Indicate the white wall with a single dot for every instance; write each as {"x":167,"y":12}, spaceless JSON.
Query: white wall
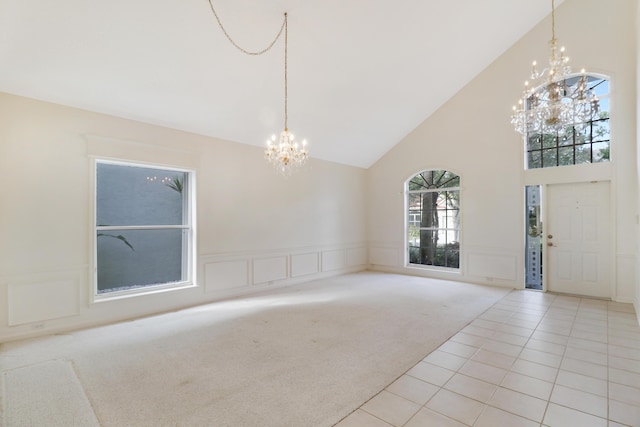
{"x":637,"y":233}
{"x":471,"y":135}
{"x":254,"y":228}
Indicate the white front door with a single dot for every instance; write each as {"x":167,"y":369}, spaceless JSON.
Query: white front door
{"x":578,"y":236}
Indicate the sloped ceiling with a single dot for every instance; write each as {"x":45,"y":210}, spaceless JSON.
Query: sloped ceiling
{"x":362,"y":73}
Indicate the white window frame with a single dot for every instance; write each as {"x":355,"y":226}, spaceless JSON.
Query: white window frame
{"x":189,"y":248}
{"x":407,"y":224}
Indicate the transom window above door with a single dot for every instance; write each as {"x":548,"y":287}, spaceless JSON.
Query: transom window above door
{"x":581,"y":143}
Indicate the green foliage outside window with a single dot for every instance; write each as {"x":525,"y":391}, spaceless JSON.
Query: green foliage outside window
{"x":434,"y":210}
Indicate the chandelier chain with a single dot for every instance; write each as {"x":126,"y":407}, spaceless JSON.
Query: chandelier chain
{"x":285,"y":154}
{"x":556,"y":100}
{"x":553,"y":20}
{"x":286,"y":82}
{"x":240,"y":48}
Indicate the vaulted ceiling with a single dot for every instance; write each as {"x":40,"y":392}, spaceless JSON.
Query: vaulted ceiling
{"x":362,"y":73}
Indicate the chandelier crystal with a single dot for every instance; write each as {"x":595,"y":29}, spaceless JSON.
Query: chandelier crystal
{"x":555,"y":99}
{"x":284,"y":154}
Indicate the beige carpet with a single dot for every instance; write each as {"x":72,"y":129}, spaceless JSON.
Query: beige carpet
{"x":306,"y":355}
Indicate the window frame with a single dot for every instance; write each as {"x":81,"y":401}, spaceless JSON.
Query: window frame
{"x":407,"y":212}
{"x":543,"y":147}
{"x":188,"y":263}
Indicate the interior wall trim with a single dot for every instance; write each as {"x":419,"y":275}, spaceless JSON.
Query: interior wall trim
{"x":226,"y":272}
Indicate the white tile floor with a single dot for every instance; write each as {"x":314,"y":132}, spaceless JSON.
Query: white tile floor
{"x":533,"y":359}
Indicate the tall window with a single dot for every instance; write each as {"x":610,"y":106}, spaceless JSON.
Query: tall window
{"x":143,"y":228}
{"x":433,"y":219}
{"x":587,"y":142}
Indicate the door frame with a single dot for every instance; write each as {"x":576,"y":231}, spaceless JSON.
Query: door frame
{"x":544,"y":214}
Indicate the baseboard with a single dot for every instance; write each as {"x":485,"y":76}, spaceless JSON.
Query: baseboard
{"x":27,"y":299}
{"x":446,"y":275}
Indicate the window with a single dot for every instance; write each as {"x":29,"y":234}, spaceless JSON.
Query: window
{"x":143,"y":228}
{"x":578,"y":144}
{"x":433,"y":219}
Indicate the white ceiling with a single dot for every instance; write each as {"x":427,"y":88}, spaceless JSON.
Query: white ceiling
{"x":362,"y":73}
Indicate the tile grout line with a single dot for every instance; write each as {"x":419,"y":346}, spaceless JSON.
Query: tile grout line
{"x":487,"y":404}
{"x":496,"y":318}
{"x":423,"y":406}
{"x":608,"y":371}
{"x":548,"y":403}
{"x":3,"y":400}
{"x":442,"y":387}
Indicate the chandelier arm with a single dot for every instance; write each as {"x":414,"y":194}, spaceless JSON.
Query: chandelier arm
{"x":553,"y":106}
{"x":240,"y":48}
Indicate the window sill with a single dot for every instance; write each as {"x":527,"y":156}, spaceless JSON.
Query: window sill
{"x":150,"y":290}
{"x":447,"y":270}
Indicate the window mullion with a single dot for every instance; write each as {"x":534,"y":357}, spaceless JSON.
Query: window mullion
{"x":140,"y":227}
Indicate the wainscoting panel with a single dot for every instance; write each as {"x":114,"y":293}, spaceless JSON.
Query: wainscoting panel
{"x":42,"y":300}
{"x":269,"y":269}
{"x":228,"y":272}
{"x":226,"y":275}
{"x":333,"y":260}
{"x":384,"y":255}
{"x":625,"y":278}
{"x":304,"y":264}
{"x":356,"y":256}
{"x":492,"y":266}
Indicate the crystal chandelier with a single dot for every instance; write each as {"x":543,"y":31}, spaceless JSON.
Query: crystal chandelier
{"x":285,"y":154}
{"x":555,"y":100}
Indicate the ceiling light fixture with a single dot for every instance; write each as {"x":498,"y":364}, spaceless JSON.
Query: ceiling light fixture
{"x":283,"y":153}
{"x":555,"y":100}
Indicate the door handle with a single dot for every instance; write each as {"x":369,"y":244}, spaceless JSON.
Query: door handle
{"x":549,"y":243}
{"x":550,"y":236}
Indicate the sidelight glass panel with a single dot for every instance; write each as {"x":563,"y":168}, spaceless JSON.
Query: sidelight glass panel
{"x":533,"y":238}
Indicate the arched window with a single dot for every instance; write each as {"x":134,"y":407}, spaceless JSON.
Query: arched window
{"x":586,"y":142}
{"x":433,"y":219}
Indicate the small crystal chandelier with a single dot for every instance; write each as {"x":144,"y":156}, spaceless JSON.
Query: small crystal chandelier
{"x":555,"y":100}
{"x":285,"y":154}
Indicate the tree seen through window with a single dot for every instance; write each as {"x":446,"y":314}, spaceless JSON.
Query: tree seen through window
{"x":433,"y":219}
